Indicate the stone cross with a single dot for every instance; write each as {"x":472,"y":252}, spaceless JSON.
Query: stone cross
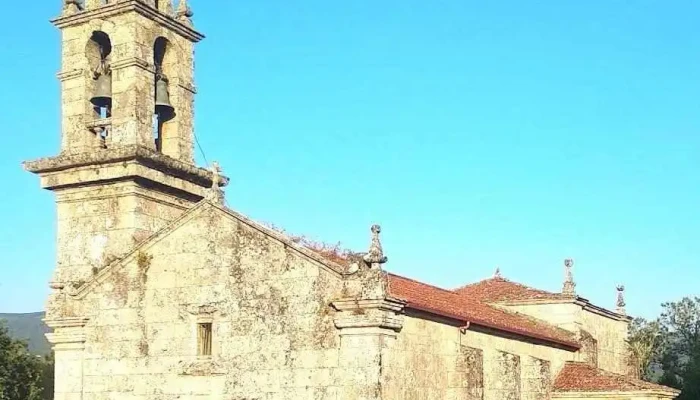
{"x":497,"y":274}
{"x":569,"y":284}
{"x":621,"y":300}
{"x":216,"y":193}
{"x":375,"y":257}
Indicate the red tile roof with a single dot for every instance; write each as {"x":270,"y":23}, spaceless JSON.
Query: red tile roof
{"x":499,"y":289}
{"x":581,"y":377}
{"x":450,"y":304}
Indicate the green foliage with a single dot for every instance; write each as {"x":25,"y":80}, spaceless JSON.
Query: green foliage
{"x":23,"y":376}
{"x":680,"y":355}
{"x":29,"y":327}
{"x":645,"y":340}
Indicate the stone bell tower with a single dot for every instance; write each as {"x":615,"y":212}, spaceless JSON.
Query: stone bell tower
{"x":126,"y":165}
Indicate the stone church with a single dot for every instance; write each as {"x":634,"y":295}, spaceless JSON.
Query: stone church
{"x":162,"y":292}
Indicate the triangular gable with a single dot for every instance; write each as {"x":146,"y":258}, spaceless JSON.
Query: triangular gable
{"x":501,"y":290}
{"x":85,"y":288}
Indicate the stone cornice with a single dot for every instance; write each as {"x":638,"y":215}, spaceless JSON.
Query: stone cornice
{"x":73,"y":322}
{"x":69,"y":74}
{"x":386,"y":304}
{"x":140,"y":154}
{"x":584,"y":303}
{"x":368,"y":313}
{"x":67,"y":338}
{"x":68,"y":335}
{"x":131,"y":62}
{"x":383,"y":321}
{"x":126,"y":6}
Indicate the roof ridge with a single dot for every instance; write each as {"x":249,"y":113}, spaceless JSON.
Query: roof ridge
{"x":421,"y":302}
{"x":284,"y":238}
{"x":423,"y":283}
{"x":84,"y":287}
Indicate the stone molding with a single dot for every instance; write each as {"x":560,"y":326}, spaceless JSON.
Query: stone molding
{"x":69,"y":74}
{"x":144,"y":156}
{"x":584,"y":303}
{"x":386,"y":304}
{"x":126,"y":6}
{"x":131,"y":62}
{"x":361,"y":316}
{"x":68,"y":334}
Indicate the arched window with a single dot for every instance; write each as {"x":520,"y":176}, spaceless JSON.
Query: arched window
{"x":98,"y":50}
{"x":163,"y":110}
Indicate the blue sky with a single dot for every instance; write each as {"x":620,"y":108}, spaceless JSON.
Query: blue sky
{"x":479,"y":134}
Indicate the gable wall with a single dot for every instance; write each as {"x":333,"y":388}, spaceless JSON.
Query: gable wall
{"x":433,"y":360}
{"x":274,"y":336}
{"x":563,"y":315}
{"x":609,"y":334}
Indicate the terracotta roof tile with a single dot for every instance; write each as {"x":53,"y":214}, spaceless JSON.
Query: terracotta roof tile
{"x":447,"y":303}
{"x":500,"y":289}
{"x":581,"y":377}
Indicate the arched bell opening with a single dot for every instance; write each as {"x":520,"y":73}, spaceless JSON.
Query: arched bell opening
{"x":98,"y":50}
{"x":164,"y":111}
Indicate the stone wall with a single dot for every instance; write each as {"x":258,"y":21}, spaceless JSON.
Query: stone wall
{"x":563,"y":315}
{"x":97,"y":225}
{"x":273,"y":330}
{"x":603,"y":337}
{"x":611,"y":338}
{"x":432,"y":360}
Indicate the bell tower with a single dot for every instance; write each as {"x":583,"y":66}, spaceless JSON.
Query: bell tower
{"x":126,"y":164}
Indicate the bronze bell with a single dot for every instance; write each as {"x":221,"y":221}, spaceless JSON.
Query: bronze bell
{"x":164,"y":109}
{"x":103,"y":91}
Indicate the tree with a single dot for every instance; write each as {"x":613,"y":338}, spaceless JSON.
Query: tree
{"x":645,"y":340}
{"x":21,"y":373}
{"x":680,"y":356}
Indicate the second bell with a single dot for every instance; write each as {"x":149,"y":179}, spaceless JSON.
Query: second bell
{"x":164,"y":109}
{"x":103,"y":91}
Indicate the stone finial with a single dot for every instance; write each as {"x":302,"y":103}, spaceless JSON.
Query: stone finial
{"x":216,"y":193}
{"x":93,"y":4}
{"x":621,"y":300}
{"x":166,"y":7}
{"x":184,"y":13}
{"x":497,"y":273}
{"x":71,"y":7}
{"x":375,"y":257}
{"x":569,"y":284}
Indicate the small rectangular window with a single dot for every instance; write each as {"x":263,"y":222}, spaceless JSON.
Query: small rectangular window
{"x":204,"y":335}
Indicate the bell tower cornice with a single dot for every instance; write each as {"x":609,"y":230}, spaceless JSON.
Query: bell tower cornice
{"x":128,"y":163}
{"x":127,"y":6}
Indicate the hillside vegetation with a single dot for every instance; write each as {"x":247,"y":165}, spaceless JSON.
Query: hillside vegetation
{"x":29,"y":327}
